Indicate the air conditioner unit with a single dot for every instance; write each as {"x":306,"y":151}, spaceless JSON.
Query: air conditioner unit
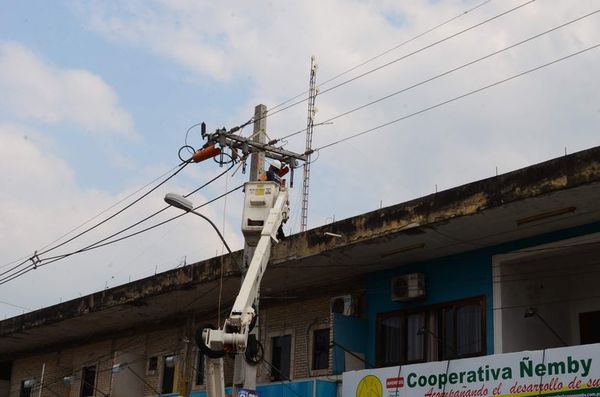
{"x":343,"y":305}
{"x":408,"y":287}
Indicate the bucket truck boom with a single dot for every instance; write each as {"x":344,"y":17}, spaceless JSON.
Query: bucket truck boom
{"x":265,"y":209}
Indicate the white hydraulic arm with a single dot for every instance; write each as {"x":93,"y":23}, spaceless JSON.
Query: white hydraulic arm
{"x":265,"y":209}
{"x":242,"y":311}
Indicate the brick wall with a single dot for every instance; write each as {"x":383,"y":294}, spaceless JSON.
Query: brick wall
{"x":297,"y":318}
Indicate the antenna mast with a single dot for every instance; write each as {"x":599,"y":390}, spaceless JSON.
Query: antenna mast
{"x":312,"y":94}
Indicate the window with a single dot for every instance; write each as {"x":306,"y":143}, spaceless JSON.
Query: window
{"x":5,"y":370}
{"x":445,"y":331}
{"x":462,"y":330}
{"x":401,"y":339}
{"x":26,"y":386}
{"x":281,"y":354}
{"x":320,"y":354}
{"x":199,"y":368}
{"x":168,"y":374}
{"x":152,"y":364}
{"x":589,"y":327}
{"x":88,"y":381}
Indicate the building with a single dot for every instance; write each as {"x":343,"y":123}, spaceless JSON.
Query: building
{"x":504,"y":264}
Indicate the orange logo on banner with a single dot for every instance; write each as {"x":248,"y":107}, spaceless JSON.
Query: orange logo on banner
{"x":369,"y":386}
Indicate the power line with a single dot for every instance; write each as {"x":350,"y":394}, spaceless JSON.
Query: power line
{"x":407,"y":55}
{"x":458,"y":97}
{"x":384,"y":53}
{"x":104,"y":242}
{"x":96,"y":245}
{"x":181,"y":167}
{"x":430,"y":79}
{"x":184,"y":162}
{"x":35,"y":258}
{"x":95,"y":216}
{"x":13,"y":305}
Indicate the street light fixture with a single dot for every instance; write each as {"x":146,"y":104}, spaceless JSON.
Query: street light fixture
{"x":183,"y":203}
{"x":178,"y":201}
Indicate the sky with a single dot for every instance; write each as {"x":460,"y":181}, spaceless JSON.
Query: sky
{"x":97,"y":96}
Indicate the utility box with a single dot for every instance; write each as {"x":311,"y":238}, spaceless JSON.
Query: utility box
{"x":259,"y":199}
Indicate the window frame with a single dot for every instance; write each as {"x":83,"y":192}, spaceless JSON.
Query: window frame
{"x":480,"y":300}
{"x":84,"y":384}
{"x":585,"y":321}
{"x":434,"y":321}
{"x":319,"y":371}
{"x":269,"y":350}
{"x":25,"y":391}
{"x":162,"y":368}
{"x":150,"y":371}
{"x":403,"y":314}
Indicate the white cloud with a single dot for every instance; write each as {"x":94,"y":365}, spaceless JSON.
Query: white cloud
{"x":34,"y":89}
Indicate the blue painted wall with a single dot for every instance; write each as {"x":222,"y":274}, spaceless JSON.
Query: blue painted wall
{"x":452,"y":278}
{"x":447,"y":279}
{"x":351,"y":334}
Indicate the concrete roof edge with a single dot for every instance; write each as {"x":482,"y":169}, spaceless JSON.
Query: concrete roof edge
{"x":131,"y":293}
{"x":557,"y":174}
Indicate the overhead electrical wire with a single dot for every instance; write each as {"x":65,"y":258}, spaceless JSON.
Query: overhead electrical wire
{"x":184,"y":162}
{"x":430,"y":79}
{"x":47,"y":261}
{"x":103,"y":242}
{"x":440,"y":104}
{"x":368,"y":72}
{"x":180,"y":168}
{"x":337,"y":76}
{"x":35,"y":257}
{"x":94,"y":217}
{"x":13,"y":305}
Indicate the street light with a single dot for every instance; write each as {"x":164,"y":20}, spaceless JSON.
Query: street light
{"x":183,"y":203}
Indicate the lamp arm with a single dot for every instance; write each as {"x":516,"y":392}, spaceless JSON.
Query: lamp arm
{"x":218,"y":232}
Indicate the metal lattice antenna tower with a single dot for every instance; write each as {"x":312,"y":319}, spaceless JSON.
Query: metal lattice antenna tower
{"x":313,"y":91}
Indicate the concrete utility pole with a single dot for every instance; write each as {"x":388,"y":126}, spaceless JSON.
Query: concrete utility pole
{"x":244,"y":375}
{"x":257,"y":161}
